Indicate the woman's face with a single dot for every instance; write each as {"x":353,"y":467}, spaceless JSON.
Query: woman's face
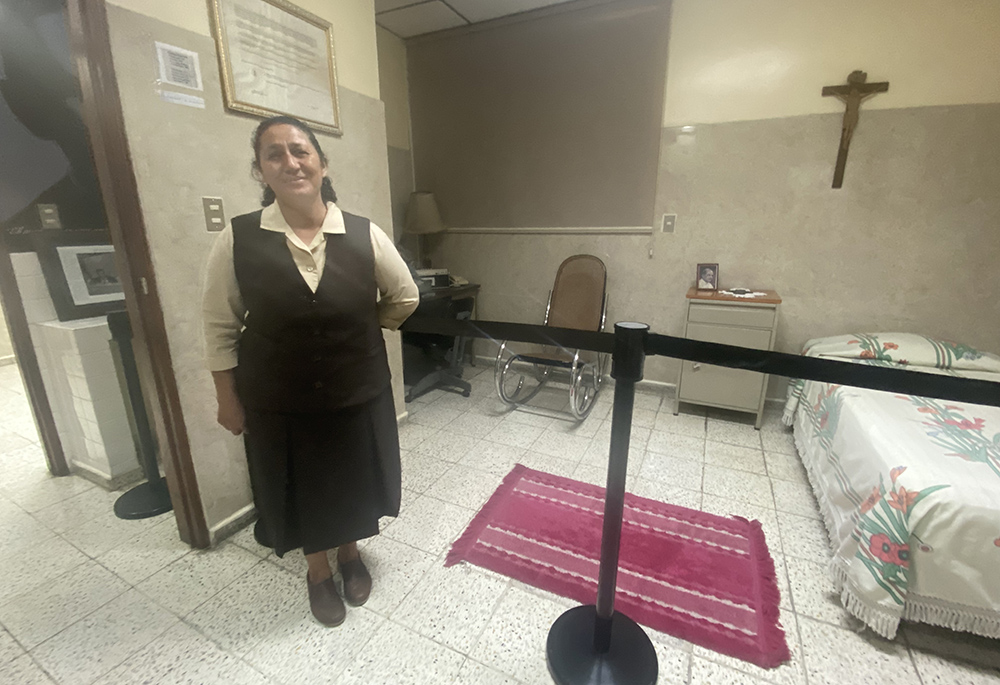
{"x":289,"y":163}
{"x":707,"y":275}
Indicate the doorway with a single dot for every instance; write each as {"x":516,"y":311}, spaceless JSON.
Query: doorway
{"x":69,"y":170}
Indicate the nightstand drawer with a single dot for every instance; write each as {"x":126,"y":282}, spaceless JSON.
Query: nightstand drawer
{"x":728,"y":335}
{"x":718,"y":385}
{"x":728,"y":320}
{"x":732,"y":315}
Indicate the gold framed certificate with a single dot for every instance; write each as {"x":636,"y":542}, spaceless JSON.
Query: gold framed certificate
{"x":277,"y":58}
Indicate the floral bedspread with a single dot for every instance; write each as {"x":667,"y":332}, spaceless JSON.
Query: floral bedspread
{"x":910,"y":493}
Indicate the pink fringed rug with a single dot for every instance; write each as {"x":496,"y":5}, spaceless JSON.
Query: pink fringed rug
{"x":703,"y":578}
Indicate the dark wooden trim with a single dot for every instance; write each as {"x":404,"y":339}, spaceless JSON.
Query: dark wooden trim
{"x":24,"y":352}
{"x":102,"y":112}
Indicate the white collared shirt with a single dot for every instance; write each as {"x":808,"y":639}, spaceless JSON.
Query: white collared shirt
{"x":223,"y":310}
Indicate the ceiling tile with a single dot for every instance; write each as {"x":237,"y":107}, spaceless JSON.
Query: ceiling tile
{"x":481,"y":10}
{"x":419,"y":19}
{"x":387,"y":5}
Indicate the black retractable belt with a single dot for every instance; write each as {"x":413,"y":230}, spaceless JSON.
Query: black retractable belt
{"x":594,"y":644}
{"x":775,"y":363}
{"x":828,"y":370}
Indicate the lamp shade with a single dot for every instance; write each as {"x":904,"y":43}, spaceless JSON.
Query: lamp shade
{"x":422,"y":214}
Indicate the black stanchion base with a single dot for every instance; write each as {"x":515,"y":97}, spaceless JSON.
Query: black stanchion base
{"x":574,"y":661}
{"x":144,"y":501}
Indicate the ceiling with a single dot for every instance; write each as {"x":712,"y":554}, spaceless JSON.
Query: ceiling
{"x":408,"y":18}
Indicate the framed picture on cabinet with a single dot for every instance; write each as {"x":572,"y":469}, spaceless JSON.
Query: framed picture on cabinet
{"x":80,"y":272}
{"x":707,"y":277}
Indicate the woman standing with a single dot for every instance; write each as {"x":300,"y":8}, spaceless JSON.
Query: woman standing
{"x":295,"y":299}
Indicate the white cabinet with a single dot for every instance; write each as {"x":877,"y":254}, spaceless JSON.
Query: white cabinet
{"x":718,"y":318}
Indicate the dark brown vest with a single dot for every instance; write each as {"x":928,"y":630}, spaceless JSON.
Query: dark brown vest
{"x":305,"y":352}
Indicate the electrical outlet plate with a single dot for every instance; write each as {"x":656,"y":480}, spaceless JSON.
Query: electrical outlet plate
{"x":669,"y":220}
{"x":49,"y":215}
{"x":215,"y":218}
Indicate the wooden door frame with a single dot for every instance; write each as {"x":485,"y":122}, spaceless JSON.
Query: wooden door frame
{"x":102,"y":113}
{"x":27,"y":361}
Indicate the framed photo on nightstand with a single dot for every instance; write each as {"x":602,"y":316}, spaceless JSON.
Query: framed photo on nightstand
{"x":707,"y":277}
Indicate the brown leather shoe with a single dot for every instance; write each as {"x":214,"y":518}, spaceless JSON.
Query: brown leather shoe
{"x":357,"y":582}
{"x":325,"y":602}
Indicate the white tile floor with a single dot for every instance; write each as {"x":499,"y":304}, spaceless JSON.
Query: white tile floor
{"x":86,"y":598}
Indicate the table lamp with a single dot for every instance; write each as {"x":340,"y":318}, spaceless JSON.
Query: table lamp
{"x":422,"y":216}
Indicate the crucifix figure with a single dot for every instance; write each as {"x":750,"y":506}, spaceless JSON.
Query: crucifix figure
{"x":852,"y":95}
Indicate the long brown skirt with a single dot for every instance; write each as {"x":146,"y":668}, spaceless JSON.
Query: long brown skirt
{"x":324,"y":479}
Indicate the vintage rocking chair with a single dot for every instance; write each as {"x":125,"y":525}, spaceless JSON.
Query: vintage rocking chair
{"x":578,"y":299}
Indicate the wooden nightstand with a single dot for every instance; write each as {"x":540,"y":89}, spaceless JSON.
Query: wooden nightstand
{"x":714,"y":317}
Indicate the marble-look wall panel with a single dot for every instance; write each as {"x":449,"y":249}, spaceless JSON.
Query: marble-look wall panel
{"x":181,"y":154}
{"x":400,"y":186}
{"x":911,"y":242}
{"x":6,"y":346}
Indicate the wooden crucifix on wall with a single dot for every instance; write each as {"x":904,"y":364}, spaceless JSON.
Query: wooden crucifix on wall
{"x":852,"y":95}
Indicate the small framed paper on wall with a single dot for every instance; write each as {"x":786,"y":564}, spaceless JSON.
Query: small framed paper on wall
{"x":277,"y":58}
{"x":707,"y":277}
{"x":178,"y":67}
{"x":80,"y":272}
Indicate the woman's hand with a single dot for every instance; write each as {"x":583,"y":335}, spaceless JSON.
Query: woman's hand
{"x":231,"y":415}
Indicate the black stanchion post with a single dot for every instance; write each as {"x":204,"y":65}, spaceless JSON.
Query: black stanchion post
{"x":626,"y":368}
{"x":594,"y":644}
{"x":150,"y":498}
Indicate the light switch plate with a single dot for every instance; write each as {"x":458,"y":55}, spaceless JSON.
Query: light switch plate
{"x":669,"y":220}
{"x":215,"y":218}
{"x":49,"y":215}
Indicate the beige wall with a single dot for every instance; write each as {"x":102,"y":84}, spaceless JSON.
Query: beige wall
{"x":394,"y":88}
{"x":183,"y":153}
{"x":909,"y":243}
{"x":353,"y":32}
{"x":733,"y":60}
{"x":547,"y":122}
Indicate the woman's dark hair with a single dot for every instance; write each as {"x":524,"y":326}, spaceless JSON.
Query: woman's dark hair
{"x":326,"y":191}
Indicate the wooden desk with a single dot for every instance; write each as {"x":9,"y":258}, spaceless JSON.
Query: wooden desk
{"x":454,"y":292}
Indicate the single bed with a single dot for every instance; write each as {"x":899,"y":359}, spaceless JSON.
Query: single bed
{"x":909,"y":487}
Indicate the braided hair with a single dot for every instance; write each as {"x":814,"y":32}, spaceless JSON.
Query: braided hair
{"x":326,"y":190}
